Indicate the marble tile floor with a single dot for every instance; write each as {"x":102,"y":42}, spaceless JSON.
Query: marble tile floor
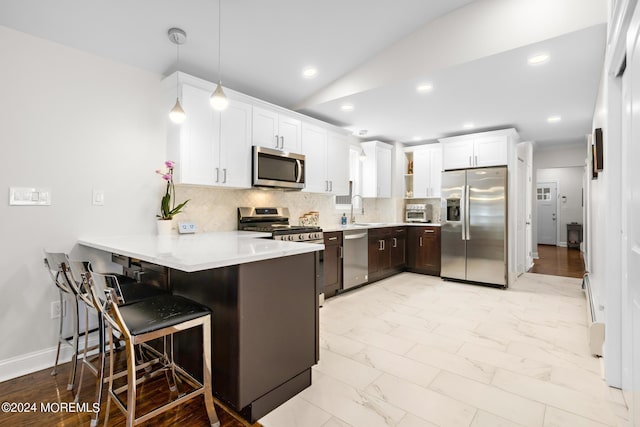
{"x":416,"y":351}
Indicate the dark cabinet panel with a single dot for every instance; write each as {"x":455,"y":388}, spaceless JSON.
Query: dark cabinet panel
{"x":332,"y":263}
{"x":386,"y":252}
{"x":424,"y":250}
{"x":398,"y":248}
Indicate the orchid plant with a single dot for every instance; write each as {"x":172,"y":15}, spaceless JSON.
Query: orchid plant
{"x":168,"y":208}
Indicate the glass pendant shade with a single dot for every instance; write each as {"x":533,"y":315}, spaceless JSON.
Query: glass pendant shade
{"x":219,"y":100}
{"x":177,"y":113}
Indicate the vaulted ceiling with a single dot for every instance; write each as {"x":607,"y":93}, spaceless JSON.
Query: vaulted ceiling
{"x":371,"y":54}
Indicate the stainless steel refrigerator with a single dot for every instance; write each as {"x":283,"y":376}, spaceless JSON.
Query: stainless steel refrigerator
{"x":474,"y":226}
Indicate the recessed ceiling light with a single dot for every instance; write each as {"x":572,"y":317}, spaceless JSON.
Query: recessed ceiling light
{"x":363,"y":132}
{"x":347,"y":107}
{"x":424,"y":87}
{"x":468,"y":125}
{"x":417,"y":138}
{"x":309,"y":72}
{"x":554,"y":119}
{"x":538,"y":59}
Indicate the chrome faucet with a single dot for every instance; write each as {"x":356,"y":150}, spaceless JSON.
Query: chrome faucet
{"x":352,"y":216}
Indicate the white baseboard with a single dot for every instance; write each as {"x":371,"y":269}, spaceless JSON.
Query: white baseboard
{"x":562,"y":244}
{"x":38,"y":360}
{"x":535,"y":256}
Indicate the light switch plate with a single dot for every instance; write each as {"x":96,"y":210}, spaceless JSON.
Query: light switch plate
{"x":186,"y":227}
{"x":98,"y":198}
{"x":29,"y":196}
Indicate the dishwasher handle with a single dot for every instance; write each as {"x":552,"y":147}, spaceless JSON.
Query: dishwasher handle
{"x":354,"y":236}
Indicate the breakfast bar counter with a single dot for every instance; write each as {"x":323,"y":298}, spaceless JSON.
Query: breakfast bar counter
{"x":263,"y":295}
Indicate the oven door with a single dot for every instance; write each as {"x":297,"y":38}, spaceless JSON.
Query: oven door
{"x":278,"y":169}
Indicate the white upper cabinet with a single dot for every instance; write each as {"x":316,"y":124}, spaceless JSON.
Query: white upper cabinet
{"x":272,"y":129}
{"x":235,"y":145}
{"x":477,"y":150}
{"x":211,"y":148}
{"x":314,"y":148}
{"x":326,"y":160}
{"x":376,"y":169}
{"x":338,"y":163}
{"x":427,"y":170}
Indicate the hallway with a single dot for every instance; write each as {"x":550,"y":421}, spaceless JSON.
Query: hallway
{"x":558,"y":261}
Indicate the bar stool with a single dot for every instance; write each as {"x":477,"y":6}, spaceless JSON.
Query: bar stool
{"x":77,"y":275}
{"x":55,"y":265}
{"x":146,"y":320}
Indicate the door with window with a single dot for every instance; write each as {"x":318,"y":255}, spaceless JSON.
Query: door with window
{"x":546,"y":199}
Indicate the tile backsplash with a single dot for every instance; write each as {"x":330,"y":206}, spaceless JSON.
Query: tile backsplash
{"x":215,"y":209}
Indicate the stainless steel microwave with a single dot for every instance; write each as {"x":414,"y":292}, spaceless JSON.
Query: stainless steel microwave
{"x":278,"y":169}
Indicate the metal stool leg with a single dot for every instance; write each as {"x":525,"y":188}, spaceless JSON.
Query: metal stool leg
{"x":206,"y":374}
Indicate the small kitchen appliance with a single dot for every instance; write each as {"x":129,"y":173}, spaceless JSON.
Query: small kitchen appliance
{"x":417,"y":212}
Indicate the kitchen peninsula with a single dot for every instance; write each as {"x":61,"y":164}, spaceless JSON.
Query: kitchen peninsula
{"x":263,"y":294}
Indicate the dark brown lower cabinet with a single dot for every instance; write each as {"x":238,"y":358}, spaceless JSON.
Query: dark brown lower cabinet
{"x":387,"y":252}
{"x":332,"y":263}
{"x":423,"y":247}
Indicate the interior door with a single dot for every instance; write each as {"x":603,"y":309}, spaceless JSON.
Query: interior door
{"x":522,"y":217}
{"x":546,"y":200}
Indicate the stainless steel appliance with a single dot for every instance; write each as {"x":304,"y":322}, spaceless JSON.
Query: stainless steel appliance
{"x":355,"y":262}
{"x":474,"y":227}
{"x":417,"y":212}
{"x":278,"y":169}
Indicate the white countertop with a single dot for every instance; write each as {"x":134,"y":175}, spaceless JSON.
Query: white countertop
{"x":200,"y":251}
{"x":365,"y":226}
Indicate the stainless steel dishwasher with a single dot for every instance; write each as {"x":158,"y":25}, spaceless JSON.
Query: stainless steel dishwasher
{"x":355,"y":263}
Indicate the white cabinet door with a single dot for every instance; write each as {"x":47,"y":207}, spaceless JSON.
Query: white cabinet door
{"x":235,"y":145}
{"x":490,"y":151}
{"x":197,"y":139}
{"x":421,"y":172}
{"x":314,"y":147}
{"x":457,"y":155}
{"x":435,"y":169}
{"x":338,"y":163}
{"x":265,"y":128}
{"x":383,"y":159}
{"x":289,"y":133}
{"x":274,"y":130}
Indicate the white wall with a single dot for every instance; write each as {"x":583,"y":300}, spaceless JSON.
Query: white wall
{"x":554,"y":157}
{"x":71,"y":122}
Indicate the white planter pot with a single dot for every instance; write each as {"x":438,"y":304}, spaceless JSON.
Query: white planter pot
{"x":165,"y":227}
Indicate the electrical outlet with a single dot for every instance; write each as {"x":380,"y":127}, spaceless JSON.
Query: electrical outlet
{"x":56,"y":310}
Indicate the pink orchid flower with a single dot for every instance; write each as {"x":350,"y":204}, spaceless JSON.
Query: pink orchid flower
{"x":170,"y":164}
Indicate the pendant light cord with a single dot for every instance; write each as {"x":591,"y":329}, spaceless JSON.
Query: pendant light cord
{"x":219,"y":42}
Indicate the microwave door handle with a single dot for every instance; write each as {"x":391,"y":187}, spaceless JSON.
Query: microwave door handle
{"x":298,"y":170}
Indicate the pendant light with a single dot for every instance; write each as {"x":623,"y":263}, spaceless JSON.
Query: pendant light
{"x":177,"y":37}
{"x":219,"y":100}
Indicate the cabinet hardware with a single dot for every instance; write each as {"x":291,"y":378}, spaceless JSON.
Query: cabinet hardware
{"x":379,"y":245}
{"x":341,"y":251}
{"x":382,"y":244}
{"x":217,"y":174}
{"x":282,"y":142}
{"x":395,"y":242}
{"x":326,"y":186}
{"x":277,"y":141}
{"x":476,"y":161}
{"x":330,"y":185}
{"x":333,"y":238}
{"x":429,"y":231}
{"x":420,"y":241}
{"x":224,"y":175}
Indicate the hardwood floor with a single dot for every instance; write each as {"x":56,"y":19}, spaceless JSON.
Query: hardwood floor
{"x":40,"y":388}
{"x":558,"y":261}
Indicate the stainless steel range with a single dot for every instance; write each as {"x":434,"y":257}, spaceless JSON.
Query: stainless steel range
{"x":276,"y":222}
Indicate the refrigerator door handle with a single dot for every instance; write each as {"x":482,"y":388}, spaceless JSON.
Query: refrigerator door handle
{"x":463,"y":209}
{"x":467,"y":214}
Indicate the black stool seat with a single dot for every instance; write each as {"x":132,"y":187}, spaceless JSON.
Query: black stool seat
{"x":152,"y":314}
{"x":132,"y":291}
